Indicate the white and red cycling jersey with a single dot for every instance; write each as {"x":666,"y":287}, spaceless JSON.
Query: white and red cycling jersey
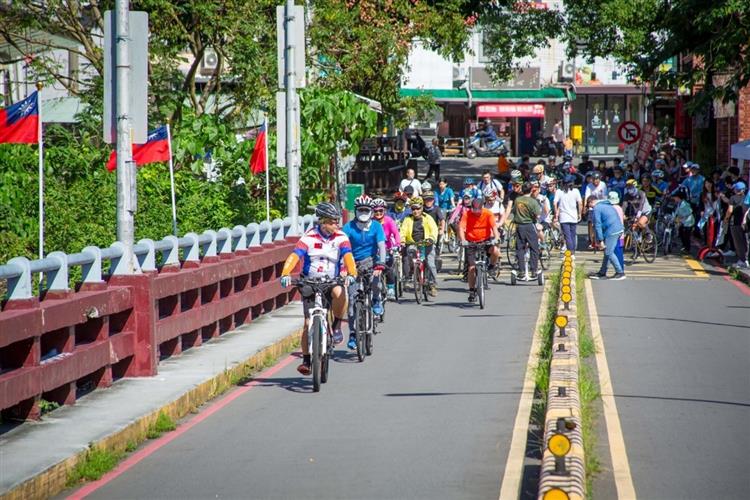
{"x":322,"y":255}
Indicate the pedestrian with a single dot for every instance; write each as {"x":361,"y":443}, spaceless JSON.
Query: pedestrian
{"x":597,"y":190}
{"x":684,"y":218}
{"x":734,"y":218}
{"x":410,"y":180}
{"x":568,"y":211}
{"x":609,"y":228}
{"x":614,"y":199}
{"x":433,"y":159}
{"x":559,"y":134}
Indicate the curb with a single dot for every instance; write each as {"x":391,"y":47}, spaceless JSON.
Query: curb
{"x":54,"y":480}
{"x":564,"y":475}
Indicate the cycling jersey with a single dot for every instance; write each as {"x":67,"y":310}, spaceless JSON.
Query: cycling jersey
{"x":636,"y":205}
{"x":392,"y":236}
{"x":428,"y":226}
{"x":445,"y":199}
{"x":365,"y":240}
{"x":457,"y":213}
{"x":478,"y":227}
{"x":652,"y":194}
{"x":322,"y":256}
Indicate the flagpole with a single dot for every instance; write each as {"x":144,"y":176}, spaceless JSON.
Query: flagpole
{"x":41,"y":171}
{"x":268,"y":173}
{"x":171,"y":180}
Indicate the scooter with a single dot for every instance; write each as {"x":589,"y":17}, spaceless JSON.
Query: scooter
{"x":493,"y":148}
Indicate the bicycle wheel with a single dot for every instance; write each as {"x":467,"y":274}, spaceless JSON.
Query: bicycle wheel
{"x":545,"y":256}
{"x":479,"y":284}
{"x":418,"y":280}
{"x":510,"y":251}
{"x":361,"y":319}
{"x":649,"y":245}
{"x":316,"y":355}
{"x":667,"y":242}
{"x":398,"y":277}
{"x":368,"y":344}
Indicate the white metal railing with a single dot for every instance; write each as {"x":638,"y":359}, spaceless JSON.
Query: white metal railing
{"x":56,"y":265}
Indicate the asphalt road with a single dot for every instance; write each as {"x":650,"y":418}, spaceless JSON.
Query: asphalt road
{"x":678,"y":354}
{"x":429,"y":415}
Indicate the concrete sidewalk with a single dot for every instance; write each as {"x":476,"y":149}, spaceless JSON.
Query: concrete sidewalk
{"x":35,"y":457}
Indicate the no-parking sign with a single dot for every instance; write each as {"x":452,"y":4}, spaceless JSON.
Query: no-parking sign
{"x":629,"y":132}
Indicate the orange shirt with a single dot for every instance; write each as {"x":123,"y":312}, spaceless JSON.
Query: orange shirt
{"x":478,"y":227}
{"x":502,"y":165}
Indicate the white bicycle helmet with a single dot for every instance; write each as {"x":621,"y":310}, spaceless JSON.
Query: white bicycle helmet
{"x":363,"y":201}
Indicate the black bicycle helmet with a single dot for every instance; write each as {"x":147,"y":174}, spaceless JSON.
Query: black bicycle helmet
{"x":327,"y":210}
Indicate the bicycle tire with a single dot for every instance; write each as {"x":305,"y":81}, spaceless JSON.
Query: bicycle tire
{"x":368,"y":344}
{"x":667,"y":242}
{"x":649,"y":246}
{"x":397,"y":277}
{"x":361,"y":320}
{"x":480,"y":289}
{"x":316,"y":355}
{"x":324,"y":369}
{"x":545,"y":257}
{"x":511,"y":251}
{"x":417,"y":284}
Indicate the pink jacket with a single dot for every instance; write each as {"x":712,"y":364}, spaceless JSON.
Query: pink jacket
{"x":392,"y":236}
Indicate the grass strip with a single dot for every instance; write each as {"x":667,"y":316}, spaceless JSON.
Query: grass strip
{"x":541,"y":372}
{"x":588,"y":387}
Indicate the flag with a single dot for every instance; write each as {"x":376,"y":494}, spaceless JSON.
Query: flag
{"x":19,"y":122}
{"x":156,"y":149}
{"x":258,"y":160}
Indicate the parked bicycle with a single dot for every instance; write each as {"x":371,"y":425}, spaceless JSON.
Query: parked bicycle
{"x":319,"y":333}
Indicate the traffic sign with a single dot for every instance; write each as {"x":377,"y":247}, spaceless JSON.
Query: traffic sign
{"x":629,"y":132}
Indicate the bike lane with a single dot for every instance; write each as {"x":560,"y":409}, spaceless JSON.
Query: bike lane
{"x":429,"y":415}
{"x":677,"y":353}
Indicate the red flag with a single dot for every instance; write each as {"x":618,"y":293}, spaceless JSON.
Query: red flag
{"x":156,"y":149}
{"x":19,"y":122}
{"x":258,"y":160}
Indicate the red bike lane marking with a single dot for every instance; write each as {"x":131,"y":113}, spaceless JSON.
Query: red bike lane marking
{"x":741,"y":286}
{"x":149,"y":450}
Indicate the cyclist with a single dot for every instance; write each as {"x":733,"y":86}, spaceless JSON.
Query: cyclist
{"x":399,"y":207}
{"x":478,"y":225}
{"x":492,"y":203}
{"x":367,"y":239}
{"x":659,"y":182}
{"x":526,"y":211}
{"x":445,"y":196}
{"x":392,"y":242}
{"x":469,"y":187}
{"x":431,"y":209}
{"x":418,"y":227}
{"x":488,"y":182}
{"x":516,"y":180}
{"x":652,"y":192}
{"x":545,"y":217}
{"x":617,"y":182}
{"x":635,"y":204}
{"x":322,"y":251}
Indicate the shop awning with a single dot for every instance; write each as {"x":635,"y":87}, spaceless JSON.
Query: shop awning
{"x":510,"y":110}
{"x":547,"y":94}
{"x":741,"y":150}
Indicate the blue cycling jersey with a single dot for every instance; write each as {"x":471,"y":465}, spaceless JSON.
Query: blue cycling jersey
{"x":364,"y":241}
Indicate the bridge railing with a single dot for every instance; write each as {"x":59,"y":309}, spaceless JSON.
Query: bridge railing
{"x":63,"y":342}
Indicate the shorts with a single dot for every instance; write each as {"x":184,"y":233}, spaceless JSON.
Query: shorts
{"x":471,"y":256}
{"x":309,"y":302}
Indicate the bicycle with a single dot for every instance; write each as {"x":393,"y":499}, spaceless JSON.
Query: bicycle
{"x":319,"y":333}
{"x":640,"y":242}
{"x":418,"y":269}
{"x":398,"y":272}
{"x":449,"y":241}
{"x":364,"y":319}
{"x":667,"y":226}
{"x":482,"y":270}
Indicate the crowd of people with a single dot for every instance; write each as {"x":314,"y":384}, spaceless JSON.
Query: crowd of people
{"x":522,"y":203}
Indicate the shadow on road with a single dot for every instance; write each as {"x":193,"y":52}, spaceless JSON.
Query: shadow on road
{"x":687,"y":400}
{"x":292,"y":384}
{"x":675,"y":319}
{"x":466,"y":393}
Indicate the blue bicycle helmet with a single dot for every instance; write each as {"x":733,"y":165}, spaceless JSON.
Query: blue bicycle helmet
{"x":468,"y":181}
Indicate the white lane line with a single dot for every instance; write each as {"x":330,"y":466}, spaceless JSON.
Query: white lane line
{"x":620,"y":464}
{"x":510,"y":487}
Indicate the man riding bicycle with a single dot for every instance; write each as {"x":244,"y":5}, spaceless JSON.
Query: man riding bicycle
{"x":322,"y":251}
{"x":399,"y":207}
{"x":416,"y":228}
{"x":478,"y":225}
{"x":392,"y":242}
{"x":367,"y":240}
{"x":526,"y":212}
{"x":437,"y":214}
{"x":635,"y":204}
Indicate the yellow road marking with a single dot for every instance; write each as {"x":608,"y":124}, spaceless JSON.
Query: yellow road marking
{"x":510,"y":487}
{"x":620,"y":464}
{"x":696,"y":267}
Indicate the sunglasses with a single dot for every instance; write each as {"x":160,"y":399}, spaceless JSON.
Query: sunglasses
{"x":329,"y":221}
{"x":416,"y":207}
{"x":379,"y":211}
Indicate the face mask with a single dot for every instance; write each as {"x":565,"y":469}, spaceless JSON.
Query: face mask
{"x":364,"y":215}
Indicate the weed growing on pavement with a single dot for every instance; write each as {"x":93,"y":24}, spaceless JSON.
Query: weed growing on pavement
{"x":163,"y":423}
{"x":588,"y":388}
{"x":47,"y":406}
{"x":94,"y":465}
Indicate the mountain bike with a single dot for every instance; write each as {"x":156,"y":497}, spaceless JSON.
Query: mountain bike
{"x":418,"y":270}
{"x":640,"y":242}
{"x":364,"y":318}
{"x":481,"y":267}
{"x":449,"y":241}
{"x":319,"y":333}
{"x":398,"y":272}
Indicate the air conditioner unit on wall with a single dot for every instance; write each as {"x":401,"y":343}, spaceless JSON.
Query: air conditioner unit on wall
{"x":459,"y":73}
{"x":209,"y":63}
{"x":568,"y":70}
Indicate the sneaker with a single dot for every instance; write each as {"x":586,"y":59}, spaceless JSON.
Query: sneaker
{"x":352,"y":344}
{"x":619,"y":276}
{"x":741,"y":264}
{"x":391,"y":293}
{"x":377,"y":309}
{"x":597,"y":276}
{"x":433,"y":291}
{"x":304,"y":367}
{"x":338,"y":336}
{"x":472,"y":295}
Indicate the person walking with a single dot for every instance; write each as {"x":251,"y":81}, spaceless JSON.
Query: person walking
{"x":433,"y":159}
{"x":609,"y":228}
{"x":568,"y":211}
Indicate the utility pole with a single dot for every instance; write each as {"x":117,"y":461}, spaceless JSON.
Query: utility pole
{"x":291,"y":126}
{"x":125,"y":168}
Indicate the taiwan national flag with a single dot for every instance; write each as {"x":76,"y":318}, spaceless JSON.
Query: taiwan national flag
{"x":157,"y":148}
{"x":258,"y":160}
{"x":19,"y":122}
